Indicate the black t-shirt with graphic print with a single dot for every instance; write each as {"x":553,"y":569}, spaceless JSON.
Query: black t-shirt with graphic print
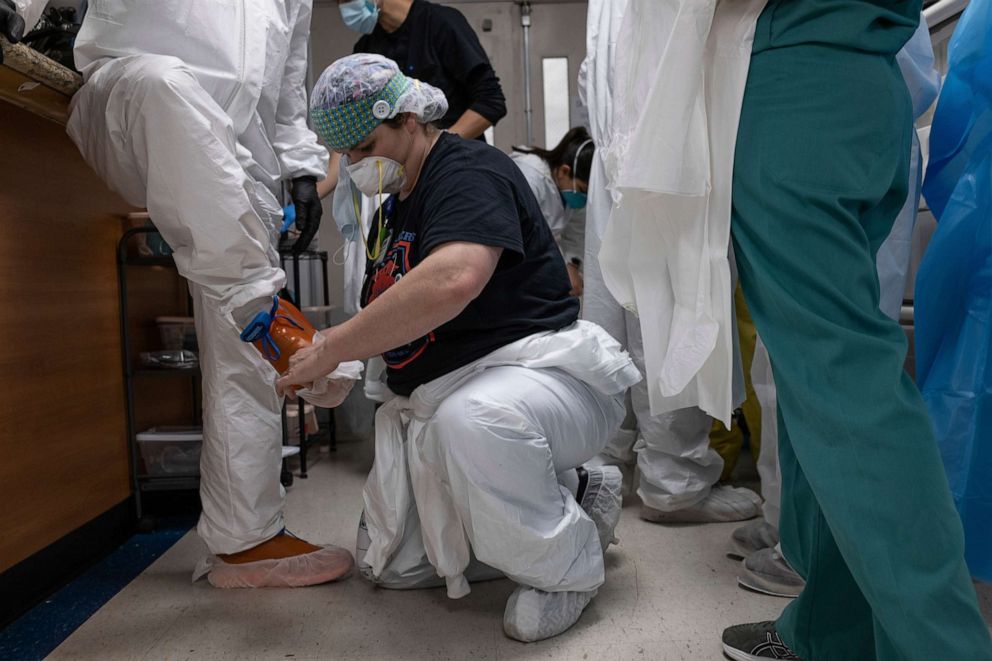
{"x":471,"y":192}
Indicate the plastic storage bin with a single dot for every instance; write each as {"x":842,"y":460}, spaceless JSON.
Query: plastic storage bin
{"x":171,"y":450}
{"x":170,"y":359}
{"x":150,"y":244}
{"x":177,"y":333}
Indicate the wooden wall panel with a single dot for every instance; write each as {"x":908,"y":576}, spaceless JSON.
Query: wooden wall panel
{"x":63,"y":451}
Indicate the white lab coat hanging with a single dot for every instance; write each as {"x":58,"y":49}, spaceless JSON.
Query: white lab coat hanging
{"x":681,"y":68}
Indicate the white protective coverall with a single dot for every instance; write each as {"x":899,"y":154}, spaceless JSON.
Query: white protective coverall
{"x":681,"y":67}
{"x":693,"y":469}
{"x":468,"y":464}
{"x":537,"y":172}
{"x":197,"y":111}
{"x":677,"y":467}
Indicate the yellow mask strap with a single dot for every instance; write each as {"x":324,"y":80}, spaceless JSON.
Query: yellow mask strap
{"x":372,"y":255}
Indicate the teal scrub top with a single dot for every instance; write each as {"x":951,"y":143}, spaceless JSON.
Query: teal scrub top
{"x":874,"y":27}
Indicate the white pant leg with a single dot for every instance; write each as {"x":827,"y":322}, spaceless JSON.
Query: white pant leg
{"x":151,"y":132}
{"x":409,"y":568}
{"x":156,"y":137}
{"x":676,"y":464}
{"x":768,"y":466}
{"x":599,"y":306}
{"x":503,"y":437}
{"x":241,"y":458}
{"x":619,"y":450}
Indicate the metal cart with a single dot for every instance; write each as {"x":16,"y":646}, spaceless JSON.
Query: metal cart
{"x":330,"y":433}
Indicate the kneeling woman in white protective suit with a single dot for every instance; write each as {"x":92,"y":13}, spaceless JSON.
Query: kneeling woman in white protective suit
{"x":559,"y":178}
{"x":497,"y":394}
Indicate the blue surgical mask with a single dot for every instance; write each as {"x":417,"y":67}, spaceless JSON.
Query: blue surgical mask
{"x":573,"y":199}
{"x":360,"y":15}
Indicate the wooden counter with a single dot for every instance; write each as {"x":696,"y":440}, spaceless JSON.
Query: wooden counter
{"x":63,"y":449}
{"x":31,"y":81}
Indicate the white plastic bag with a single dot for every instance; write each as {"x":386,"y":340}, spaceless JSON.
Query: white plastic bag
{"x":331,"y":390}
{"x":328,"y":392}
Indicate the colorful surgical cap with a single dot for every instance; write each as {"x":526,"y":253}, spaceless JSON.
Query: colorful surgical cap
{"x":357,"y":93}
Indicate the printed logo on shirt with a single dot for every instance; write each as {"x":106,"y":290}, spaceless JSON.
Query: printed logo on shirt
{"x":389,"y":270}
{"x":391,"y":267}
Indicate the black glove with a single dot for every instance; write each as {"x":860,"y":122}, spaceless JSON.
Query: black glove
{"x":11,"y":24}
{"x":308,"y":211}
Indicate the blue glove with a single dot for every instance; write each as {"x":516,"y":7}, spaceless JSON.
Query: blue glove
{"x":289,"y":213}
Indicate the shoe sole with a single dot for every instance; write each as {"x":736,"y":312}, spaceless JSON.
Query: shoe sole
{"x":756,"y":583}
{"x":681,"y":516}
{"x":738,"y":655}
{"x":231,"y":580}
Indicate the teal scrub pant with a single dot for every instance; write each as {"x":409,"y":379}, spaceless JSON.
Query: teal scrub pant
{"x":820,"y":173}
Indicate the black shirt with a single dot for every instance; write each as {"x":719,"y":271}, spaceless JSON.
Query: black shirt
{"x":436,"y":44}
{"x":469,"y":191}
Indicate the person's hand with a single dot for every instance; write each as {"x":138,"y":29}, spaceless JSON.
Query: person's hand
{"x":575,"y":277}
{"x":11,"y":24}
{"x":306,"y":366}
{"x":308,"y":211}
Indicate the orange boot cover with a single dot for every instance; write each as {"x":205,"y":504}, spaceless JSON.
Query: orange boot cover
{"x":283,"y":561}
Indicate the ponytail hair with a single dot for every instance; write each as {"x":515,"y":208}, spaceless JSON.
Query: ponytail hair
{"x":564,"y":152}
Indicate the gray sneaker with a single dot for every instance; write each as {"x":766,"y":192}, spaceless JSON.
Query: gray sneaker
{"x":767,"y":571}
{"x":755,"y":642}
{"x":602,"y":500}
{"x":722,"y":504}
{"x":752,"y":537}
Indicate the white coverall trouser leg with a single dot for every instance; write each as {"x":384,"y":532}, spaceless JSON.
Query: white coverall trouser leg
{"x":155,"y":136}
{"x":676,"y":464}
{"x":768,"y":467}
{"x":501,"y":439}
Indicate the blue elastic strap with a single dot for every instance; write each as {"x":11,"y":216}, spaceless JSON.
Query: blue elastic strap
{"x":259,"y":327}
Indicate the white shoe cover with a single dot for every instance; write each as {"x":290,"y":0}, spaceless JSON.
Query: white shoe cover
{"x":533,"y":614}
{"x":768,"y":572}
{"x":752,"y":537}
{"x":603,"y":501}
{"x":328,"y":564}
{"x":722,"y":504}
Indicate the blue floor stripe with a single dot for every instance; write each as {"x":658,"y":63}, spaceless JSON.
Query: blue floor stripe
{"x":39,"y":631}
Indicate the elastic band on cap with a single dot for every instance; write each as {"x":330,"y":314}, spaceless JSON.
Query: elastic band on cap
{"x":344,"y":126}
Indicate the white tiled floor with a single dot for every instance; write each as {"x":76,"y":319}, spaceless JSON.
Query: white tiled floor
{"x":669,"y":593}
